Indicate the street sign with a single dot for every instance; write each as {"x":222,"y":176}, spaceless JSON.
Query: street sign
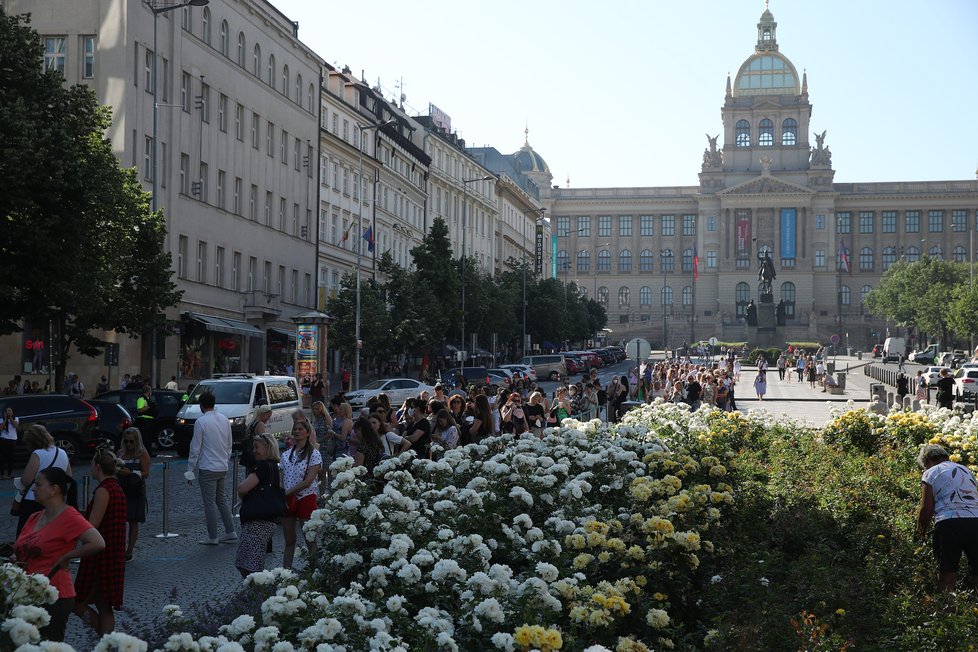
{"x":638,"y":349}
{"x":713,"y":341}
{"x":835,"y":339}
{"x":112,"y":354}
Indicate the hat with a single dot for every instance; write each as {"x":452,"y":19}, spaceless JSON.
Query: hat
{"x":264,"y":409}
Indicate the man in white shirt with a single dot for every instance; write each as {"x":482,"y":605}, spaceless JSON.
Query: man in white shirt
{"x":210,"y":450}
{"x":172,"y":386}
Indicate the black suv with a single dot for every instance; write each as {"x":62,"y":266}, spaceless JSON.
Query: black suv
{"x":71,"y":421}
{"x":167,"y":405}
{"x":478,"y":376}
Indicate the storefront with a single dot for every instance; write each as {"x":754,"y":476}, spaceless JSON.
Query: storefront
{"x":217,"y":345}
{"x":280,"y":350}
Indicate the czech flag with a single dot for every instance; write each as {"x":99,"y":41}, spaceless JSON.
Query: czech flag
{"x":368,"y":235}
{"x":696,"y":264}
{"x":844,"y":257}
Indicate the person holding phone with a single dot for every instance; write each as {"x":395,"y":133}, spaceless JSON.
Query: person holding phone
{"x":8,"y":442}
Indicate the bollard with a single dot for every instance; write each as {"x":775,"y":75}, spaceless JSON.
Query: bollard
{"x":166,"y":534}
{"x":236,"y":501}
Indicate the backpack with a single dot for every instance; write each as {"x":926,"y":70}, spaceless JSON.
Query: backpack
{"x":602,"y":397}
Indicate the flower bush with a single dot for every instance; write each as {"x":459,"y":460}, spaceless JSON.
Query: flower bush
{"x":24,"y":599}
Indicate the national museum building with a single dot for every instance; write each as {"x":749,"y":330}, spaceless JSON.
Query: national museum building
{"x":681,"y":264}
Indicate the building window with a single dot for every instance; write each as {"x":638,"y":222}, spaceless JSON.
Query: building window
{"x":624,"y":261}
{"x":148,"y":158}
{"x":604,"y":226}
{"x":911,"y":222}
{"x":222,"y":113}
{"x":936,"y":252}
{"x":54,"y":54}
{"x":845,"y":295}
{"x":221,"y":186}
{"x":584,"y":262}
{"x":268,"y":208}
{"x":889,"y":221}
{"x":819,"y":222}
{"x":959,"y":220}
{"x":711,"y":223}
{"x":668,"y":225}
{"x":584,"y":226}
{"x":624,"y":226}
{"x":235,"y":271}
{"x":789,"y":132}
{"x":604,"y":261}
{"x":185,"y":91}
{"x":819,"y":258}
{"x":205,"y":26}
{"x":239,"y":122}
{"x":866,"y":259}
{"x":266,"y":280}
{"x":252,"y":274}
{"x":271,"y":70}
{"x":236,"y":199}
{"x":741,"y":299}
{"x":285,"y":80}
{"x":284,"y":151}
{"x":665,"y":296}
{"x":686,"y":263}
{"x":765,"y":133}
{"x":689,"y":225}
{"x":297,"y":162}
{"x":201,"y":261}
{"x":788,"y":297}
{"x":668,"y":263}
{"x":184,"y":174}
{"x":270,"y":138}
{"x":298,"y":89}
{"x":253,"y":203}
{"x":844,"y":222}
{"x":687,"y":296}
{"x":223,"y":43}
{"x":935,"y":221}
{"x":219,"y":267}
{"x":563,"y":264}
{"x":603,"y":295}
{"x":88,"y":54}
{"x":255,"y":122}
{"x":866,"y":219}
{"x":241,"y":49}
{"x":645,"y":225}
{"x":310,"y":94}
{"x":912,"y":254}
{"x":645,"y":261}
{"x":863,"y":293}
{"x":889,"y":257}
{"x":711,"y":259}
{"x":624,"y":297}
{"x":563,"y":223}
{"x":959,"y":254}
{"x":202,"y":180}
{"x":256,"y":61}
{"x":743,"y":133}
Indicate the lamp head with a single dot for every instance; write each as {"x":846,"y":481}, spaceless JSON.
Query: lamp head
{"x":197,"y":3}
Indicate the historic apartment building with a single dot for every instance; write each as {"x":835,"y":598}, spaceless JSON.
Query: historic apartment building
{"x":676,"y":264}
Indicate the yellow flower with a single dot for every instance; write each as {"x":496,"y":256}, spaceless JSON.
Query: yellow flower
{"x":578,"y":614}
{"x":582,"y":560}
{"x":522,"y":636}
{"x":553,"y":639}
{"x":604,"y":557}
{"x":840,"y":612}
{"x":657,"y":618}
{"x":659,"y":596}
{"x":954,"y":457}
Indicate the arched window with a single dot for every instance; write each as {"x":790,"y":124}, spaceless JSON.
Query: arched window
{"x":889,"y":257}
{"x":271,"y":70}
{"x":645,"y":261}
{"x":310,"y":95}
{"x":645,"y":296}
{"x":583,"y":291}
{"x":743,"y":133}
{"x":285,"y":80}
{"x":912,"y":254}
{"x":624,"y":297}
{"x":959,"y":254}
{"x":205,"y":26}
{"x":224,"y":38}
{"x":845,"y":295}
{"x":256,"y":61}
{"x":687,"y":260}
{"x":241,"y":49}
{"x":668,"y":261}
{"x":603,"y":295}
{"x":866,"y":259}
{"x":742,"y":298}
{"x":765,"y":133}
{"x":604,"y":261}
{"x":562,"y":261}
{"x":788,"y":297}
{"x":866,"y":289}
{"x":936,"y":252}
{"x":789,"y":132}
{"x":584,"y":262}
{"x":665,"y":297}
{"x":298,"y":89}
{"x":687,"y":296}
{"x":624,"y":261}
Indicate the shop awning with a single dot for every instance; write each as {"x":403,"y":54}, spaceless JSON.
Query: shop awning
{"x":283,"y":332}
{"x":225,"y":325}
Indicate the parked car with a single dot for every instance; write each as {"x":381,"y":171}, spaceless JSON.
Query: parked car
{"x":893,"y":348}
{"x":607,"y":356}
{"x":574,"y":365}
{"x":167,"y":405}
{"x":550,"y":366}
{"x":618,"y":352}
{"x":932,"y":373}
{"x":525,"y":371}
{"x":877,"y":350}
{"x":72,"y":422}
{"x":952,"y":359}
{"x":113,"y":419}
{"x":588,"y":358}
{"x":510,"y":376}
{"x":924,"y":356}
{"x":966,"y":382}
{"x":478,"y":376}
{"x":397,"y":390}
{"x":498,"y":379}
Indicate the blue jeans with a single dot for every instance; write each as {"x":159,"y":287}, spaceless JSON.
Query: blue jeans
{"x":215,"y":500}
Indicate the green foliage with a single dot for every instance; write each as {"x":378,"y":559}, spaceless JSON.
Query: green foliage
{"x":81,"y":247}
{"x":963,"y":312}
{"x":810,"y":347}
{"x":770,"y":355}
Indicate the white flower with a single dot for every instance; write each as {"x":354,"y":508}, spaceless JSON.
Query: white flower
{"x":716,"y":579}
{"x":351,"y":530}
{"x":395,"y":603}
{"x":657,"y":618}
{"x":548,"y":572}
{"x":21,"y":631}
{"x":765,"y":581}
{"x":34,"y":615}
{"x":503,"y":641}
{"x":490,"y":609}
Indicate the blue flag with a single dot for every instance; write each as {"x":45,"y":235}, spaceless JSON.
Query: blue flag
{"x":368,"y":235}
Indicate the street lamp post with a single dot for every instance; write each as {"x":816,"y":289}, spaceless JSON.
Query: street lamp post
{"x":158,"y":9}
{"x":465,"y":210}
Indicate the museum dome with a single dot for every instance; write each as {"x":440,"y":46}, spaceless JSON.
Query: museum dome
{"x":527,"y":160}
{"x":767,"y":71}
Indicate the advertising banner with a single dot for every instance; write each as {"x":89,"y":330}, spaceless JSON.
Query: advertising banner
{"x":742,"y":231}
{"x":538,"y":250}
{"x":553,"y":256}
{"x":307,"y":350}
{"x":788,"y":230}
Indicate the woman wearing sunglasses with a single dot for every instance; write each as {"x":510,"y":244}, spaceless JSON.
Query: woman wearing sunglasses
{"x":132,"y":479}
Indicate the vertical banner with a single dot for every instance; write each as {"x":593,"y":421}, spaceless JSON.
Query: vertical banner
{"x":553,"y":256}
{"x":307,"y":350}
{"x":742,"y":231}
{"x":788,"y":230}
{"x":538,"y":250}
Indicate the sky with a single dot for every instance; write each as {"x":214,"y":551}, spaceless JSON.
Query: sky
{"x":622,"y":92}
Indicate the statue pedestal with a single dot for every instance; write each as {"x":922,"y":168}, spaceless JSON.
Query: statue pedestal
{"x":766,"y":319}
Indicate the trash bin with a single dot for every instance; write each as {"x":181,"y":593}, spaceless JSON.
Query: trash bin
{"x":859,"y":355}
{"x":877,"y":389}
{"x":830,"y":367}
{"x":841,"y":379}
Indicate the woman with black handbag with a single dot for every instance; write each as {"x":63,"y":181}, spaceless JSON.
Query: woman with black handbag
{"x":262,"y":503}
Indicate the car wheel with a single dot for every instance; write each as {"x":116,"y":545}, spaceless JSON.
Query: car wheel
{"x":554,"y":375}
{"x":67,"y":442}
{"x":166,"y":437}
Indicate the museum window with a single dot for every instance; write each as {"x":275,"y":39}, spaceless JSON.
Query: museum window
{"x":603,"y":295}
{"x":711,"y":223}
{"x":889,"y":221}
{"x":743,"y":262}
{"x":646,"y":225}
{"x":687,"y":296}
{"x":743,"y":133}
{"x":845,"y":295}
{"x":936,"y":252}
{"x":686,"y":263}
{"x":711,"y":259}
{"x":911,"y":222}
{"x":959,"y":254}
{"x":912,"y":254}
{"x":645,"y":296}
{"x":935,"y":221}
{"x":866,"y":259}
{"x":665,"y":297}
{"x":604,"y":226}
{"x":819,"y":258}
{"x":789,"y":132}
{"x":668,"y":263}
{"x":624,"y":261}
{"x":959,"y":220}
{"x":741,"y":299}
{"x":863,"y":293}
{"x":668,"y":225}
{"x":765,"y":133}
{"x":54,"y":54}
{"x":645,"y":261}
{"x":819,"y":222}
{"x":625,"y":226}
{"x":889,"y":257}
{"x":584,"y":226}
{"x":563,"y":226}
{"x":604,"y":261}
{"x":584,"y":262}
{"x":689,"y":225}
{"x":788,"y":297}
{"x":624,"y":297}
{"x":562,"y":261}
{"x":866,"y":219}
{"x":843,"y":222}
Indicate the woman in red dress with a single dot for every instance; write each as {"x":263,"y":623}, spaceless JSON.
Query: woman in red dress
{"x":101,"y":578}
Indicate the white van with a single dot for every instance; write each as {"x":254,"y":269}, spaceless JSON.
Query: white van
{"x":238,"y":397}
{"x":551,"y":367}
{"x":893,"y":349}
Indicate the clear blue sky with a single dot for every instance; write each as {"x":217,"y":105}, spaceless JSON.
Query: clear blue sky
{"x":621,"y":92}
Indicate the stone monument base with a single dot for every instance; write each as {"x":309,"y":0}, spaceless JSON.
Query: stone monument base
{"x":766,"y":320}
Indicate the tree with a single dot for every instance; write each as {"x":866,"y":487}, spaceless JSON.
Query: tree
{"x":963,"y":312}
{"x":437,"y":281}
{"x":81,"y":247}
{"x":375,"y":331}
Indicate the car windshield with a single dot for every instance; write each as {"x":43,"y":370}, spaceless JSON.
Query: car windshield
{"x":377,"y":384}
{"x":233,"y":393}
